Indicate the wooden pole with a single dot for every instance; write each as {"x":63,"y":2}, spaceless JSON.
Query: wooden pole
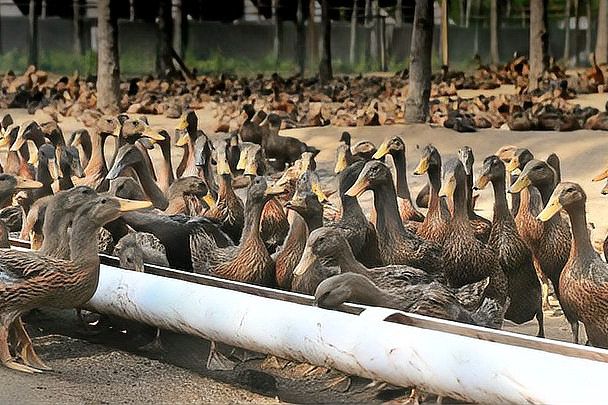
{"x":494,"y":52}
{"x":32,"y":37}
{"x":353,"y":35}
{"x":178,"y":32}
{"x":419,"y":92}
{"x":108,"y":67}
{"x":325,"y":69}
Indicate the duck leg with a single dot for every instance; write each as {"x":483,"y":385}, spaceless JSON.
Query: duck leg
{"x":25,"y":347}
{"x":5,"y":355}
{"x":155,"y":346}
{"x":540,"y":318}
{"x":217,"y":361}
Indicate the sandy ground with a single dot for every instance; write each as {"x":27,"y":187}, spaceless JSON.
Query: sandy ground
{"x":93,"y":373}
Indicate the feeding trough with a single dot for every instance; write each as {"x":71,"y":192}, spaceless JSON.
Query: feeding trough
{"x":446,"y":358}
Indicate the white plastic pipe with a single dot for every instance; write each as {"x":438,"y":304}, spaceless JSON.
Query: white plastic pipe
{"x":443,"y":363}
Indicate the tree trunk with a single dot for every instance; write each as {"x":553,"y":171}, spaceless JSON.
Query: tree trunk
{"x":588,"y":32}
{"x":445,"y":57}
{"x":78,"y":10}
{"x":417,"y":103}
{"x":577,"y":17}
{"x":32,"y":35}
{"x":131,"y":10}
{"x":601,"y":41}
{"x":178,"y":30}
{"x":374,"y":45}
{"x":398,"y":13}
{"x":494,"y":12}
{"x":164,"y":59}
{"x":108,"y":68}
{"x":278,"y":32}
{"x":313,"y":45}
{"x":567,"y":32}
{"x":301,"y":38}
{"x":537,"y":37}
{"x":468,"y":14}
{"x":325,"y":72}
{"x":353,"y":35}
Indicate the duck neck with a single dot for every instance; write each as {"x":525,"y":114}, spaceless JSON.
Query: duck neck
{"x":43,"y":175}
{"x":225,"y":190}
{"x":434,"y":173}
{"x":165,"y":174}
{"x":55,"y":231}
{"x":251,"y":227}
{"x":387,"y":210}
{"x":348,"y":263}
{"x":460,"y":203}
{"x":149,"y":185}
{"x":545,"y":189}
{"x":469,"y":190}
{"x":83,"y":248}
{"x":97,"y":163}
{"x":403,"y":190}
{"x":314,"y":220}
{"x":581,"y":245}
{"x":501,"y":208}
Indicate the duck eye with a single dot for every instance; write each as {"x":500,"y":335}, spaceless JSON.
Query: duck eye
{"x":103,"y":201}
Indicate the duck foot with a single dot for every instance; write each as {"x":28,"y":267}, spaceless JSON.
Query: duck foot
{"x":413,"y":399}
{"x":25,"y":347}
{"x":244,"y":355}
{"x":155,"y":346}
{"x":305,"y":370}
{"x":273,"y":363}
{"x":21,"y":367}
{"x":217,"y":361}
{"x":5,"y":355}
{"x":340,"y":384}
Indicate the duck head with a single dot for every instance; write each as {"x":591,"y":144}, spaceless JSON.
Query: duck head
{"x":492,"y":169}
{"x":430,"y":158}
{"x":373,"y":175}
{"x":392,"y":145}
{"x":566,"y":195}
{"x":536,"y":173}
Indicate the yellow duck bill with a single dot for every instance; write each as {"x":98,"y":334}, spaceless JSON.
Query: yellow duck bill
{"x":552,"y":208}
{"x":521,"y":183}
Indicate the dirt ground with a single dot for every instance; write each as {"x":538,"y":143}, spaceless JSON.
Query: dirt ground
{"x":87,"y":372}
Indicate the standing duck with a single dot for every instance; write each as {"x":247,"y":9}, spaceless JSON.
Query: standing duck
{"x":481,"y":226}
{"x":435,"y":225}
{"x":551,"y":246}
{"x":30,"y":280}
{"x":583,"y":284}
{"x":514,"y":257}
{"x":396,"y":148}
{"x":466,"y":259}
{"x":397,"y":244}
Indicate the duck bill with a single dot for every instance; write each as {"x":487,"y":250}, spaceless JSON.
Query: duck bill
{"x":20,"y":140}
{"x":182,"y":124}
{"x":183,"y":140}
{"x":147,"y":143}
{"x":306,"y":263}
{"x":132,"y":205}
{"x":33,"y":160}
{"x":522,"y":182}
{"x":358,"y":188}
{"x":341,"y":163}
{"x":603,"y":175}
{"x":27,"y":184}
{"x":242,"y":163}
{"x":316,"y":188}
{"x":77,"y":170}
{"x":4,"y":141}
{"x":382,"y":151}
{"x":115,"y":170}
{"x":274,"y":189}
{"x":223,"y":167}
{"x":116,"y":132}
{"x":77,"y":140}
{"x":447,"y":189}
{"x":512,"y":165}
{"x":295,"y":203}
{"x":552,"y":208}
{"x":250,"y":169}
{"x":423,"y":166}
{"x":152,"y":134}
{"x":53,"y":169}
{"x":482,"y":182}
{"x":209,"y":200}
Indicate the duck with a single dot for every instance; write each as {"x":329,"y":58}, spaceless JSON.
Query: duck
{"x":17,"y":161}
{"x":514,"y":256}
{"x":250,"y":130}
{"x":229,"y":208}
{"x":188,"y":123}
{"x":550,"y":246}
{"x":396,"y":148}
{"x":274,"y":225}
{"x":185,"y":191}
{"x":518,"y":160}
{"x":58,"y":283}
{"x":582,"y":284}
{"x":69,"y":165}
{"x":435,"y":225}
{"x":400,"y":287}
{"x":248,"y":262}
{"x":282,"y":150}
{"x":481,"y":226}
{"x":397,"y":245}
{"x":82,"y":139}
{"x":96,"y":170}
{"x":466,"y":259}
{"x":48,"y":171}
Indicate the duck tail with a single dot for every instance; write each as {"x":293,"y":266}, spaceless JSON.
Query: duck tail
{"x":490,"y":314}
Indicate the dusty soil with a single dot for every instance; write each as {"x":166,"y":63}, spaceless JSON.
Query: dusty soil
{"x":108,"y":367}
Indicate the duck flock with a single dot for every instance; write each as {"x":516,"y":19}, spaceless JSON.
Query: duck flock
{"x":72,"y":201}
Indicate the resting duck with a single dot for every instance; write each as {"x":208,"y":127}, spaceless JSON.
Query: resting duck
{"x":58,"y":283}
{"x":583,"y":284}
